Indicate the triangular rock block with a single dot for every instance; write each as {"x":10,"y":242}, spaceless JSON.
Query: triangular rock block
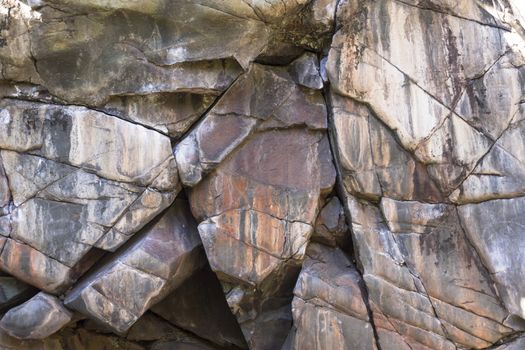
{"x":200,"y":307}
{"x":144,"y":271}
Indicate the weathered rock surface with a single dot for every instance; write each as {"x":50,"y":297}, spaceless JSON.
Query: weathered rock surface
{"x":349,"y":174}
{"x":494,"y":239}
{"x":70,"y":196}
{"x":141,"y":274}
{"x":37,"y":318}
{"x":264,"y":131}
{"x":328,"y":306}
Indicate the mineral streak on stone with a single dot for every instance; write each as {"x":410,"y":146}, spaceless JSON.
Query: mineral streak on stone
{"x":142,"y":273}
{"x":350,"y":174}
{"x":253,"y":203}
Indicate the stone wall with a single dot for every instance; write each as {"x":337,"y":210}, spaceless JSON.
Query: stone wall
{"x":262,"y":174}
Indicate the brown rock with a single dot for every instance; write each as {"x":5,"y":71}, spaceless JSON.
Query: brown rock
{"x":254,"y":204}
{"x":33,"y":267}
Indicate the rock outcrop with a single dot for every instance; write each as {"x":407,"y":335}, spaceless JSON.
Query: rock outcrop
{"x":262,"y":174}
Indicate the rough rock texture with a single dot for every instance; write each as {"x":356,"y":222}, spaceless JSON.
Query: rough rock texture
{"x":328,"y":306}
{"x":264,"y":131}
{"x":262,"y":174}
{"x":141,"y":274}
{"x":37,"y":318}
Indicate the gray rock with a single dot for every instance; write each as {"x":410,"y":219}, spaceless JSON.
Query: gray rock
{"x":501,"y":173}
{"x":5,"y":192}
{"x":170,"y":113}
{"x":372,"y":162}
{"x":15,"y":50}
{"x":330,"y":227}
{"x":37,"y":318}
{"x":142,"y":273}
{"x":424,"y":259}
{"x":84,"y":138}
{"x":151,"y":328}
{"x":515,"y":344}
{"x":495,"y":229}
{"x":305,"y":71}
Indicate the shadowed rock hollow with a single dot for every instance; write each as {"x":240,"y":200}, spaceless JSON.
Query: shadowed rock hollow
{"x":262,"y":174}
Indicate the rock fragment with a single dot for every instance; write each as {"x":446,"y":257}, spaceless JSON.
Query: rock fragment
{"x":37,"y":318}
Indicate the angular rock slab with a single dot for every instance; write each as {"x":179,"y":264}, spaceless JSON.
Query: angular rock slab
{"x":254,"y":143}
{"x":263,"y":219}
{"x":169,"y":113}
{"x":156,"y":262}
{"x":118,"y":48}
{"x":330,"y":227}
{"x":328,"y":308}
{"x":495,"y":229}
{"x":460,"y":288}
{"x":108,"y":146}
{"x":501,"y":172}
{"x":37,"y":318}
{"x":262,"y":98}
{"x":33,"y":267}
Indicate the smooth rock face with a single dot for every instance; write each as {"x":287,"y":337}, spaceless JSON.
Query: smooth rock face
{"x":37,"y":318}
{"x":141,"y":274}
{"x":262,"y":174}
{"x":493,"y":239}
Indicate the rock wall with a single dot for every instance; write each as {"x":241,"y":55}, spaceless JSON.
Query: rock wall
{"x":262,"y":174}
